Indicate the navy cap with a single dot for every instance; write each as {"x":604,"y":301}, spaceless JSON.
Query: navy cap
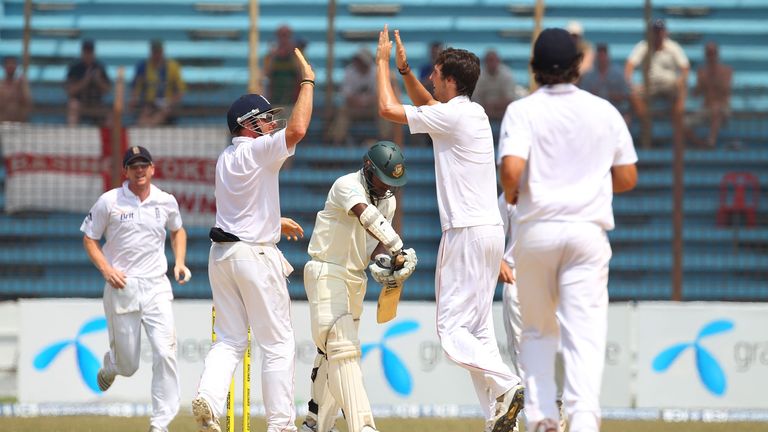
{"x":658,"y":24}
{"x":136,"y":153}
{"x":554,"y":50}
{"x":243,"y":105}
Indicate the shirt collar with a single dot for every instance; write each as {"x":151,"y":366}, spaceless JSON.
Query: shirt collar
{"x":559,"y":88}
{"x":459,"y":99}
{"x":240,"y":140}
{"x":129,"y":193}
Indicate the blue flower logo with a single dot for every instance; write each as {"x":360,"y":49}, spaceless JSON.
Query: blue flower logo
{"x":395,"y":371}
{"x":86,"y":360}
{"x":710,"y":372}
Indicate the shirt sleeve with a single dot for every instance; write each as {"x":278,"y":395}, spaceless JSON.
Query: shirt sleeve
{"x":503,"y":210}
{"x":429,"y":118}
{"x":625,"y":148}
{"x":346,"y":194}
{"x":515,"y":137}
{"x":271,"y":149}
{"x":174,"y":215}
{"x":637,"y":54}
{"x":680,"y":58}
{"x":95,"y":223}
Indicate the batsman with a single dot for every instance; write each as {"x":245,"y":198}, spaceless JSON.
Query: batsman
{"x":353,"y":229}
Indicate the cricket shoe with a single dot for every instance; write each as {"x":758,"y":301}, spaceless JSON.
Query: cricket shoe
{"x":156,"y":429}
{"x":508,"y":406}
{"x":310,"y":425}
{"x":104,"y":380}
{"x":546,"y":425}
{"x":206,"y":422}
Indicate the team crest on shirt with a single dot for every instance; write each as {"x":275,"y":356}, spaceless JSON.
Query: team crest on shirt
{"x":398,"y":171}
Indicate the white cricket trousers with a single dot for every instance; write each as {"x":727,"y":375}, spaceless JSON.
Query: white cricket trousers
{"x":512,"y":324}
{"x":468,"y":264}
{"x":147,"y":302}
{"x":248,"y":282}
{"x":563,"y":273}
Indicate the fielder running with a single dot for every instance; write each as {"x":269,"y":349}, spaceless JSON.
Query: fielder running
{"x":565,"y":153}
{"x":473,"y":236}
{"x":247,"y":271}
{"x":133,"y":219}
{"x":353,"y":228}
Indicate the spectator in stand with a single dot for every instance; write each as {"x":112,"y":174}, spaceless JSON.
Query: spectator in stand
{"x":87,"y":83}
{"x":607,"y":82}
{"x":668,"y":77}
{"x":495,"y":88}
{"x":282,"y":70}
{"x":584,"y":46}
{"x":359,"y":99}
{"x":14,"y":93}
{"x":713,"y":84}
{"x":157,"y":88}
{"x":435,"y":48}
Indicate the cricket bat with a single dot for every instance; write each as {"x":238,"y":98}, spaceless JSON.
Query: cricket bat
{"x":386,"y":310}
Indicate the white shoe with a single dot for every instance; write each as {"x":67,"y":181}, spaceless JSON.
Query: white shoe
{"x":508,"y":406}
{"x":155,"y":429}
{"x":206,"y":422}
{"x":546,"y":425}
{"x":103,"y":380}
{"x":368,"y":429}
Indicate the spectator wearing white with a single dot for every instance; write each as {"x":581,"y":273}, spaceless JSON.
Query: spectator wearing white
{"x":358,"y":91}
{"x":583,"y":45}
{"x":495,"y":88}
{"x":668,"y":75}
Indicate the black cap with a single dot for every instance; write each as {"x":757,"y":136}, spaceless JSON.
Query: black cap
{"x":554,"y":50}
{"x":136,"y":153}
{"x":243,"y":105}
{"x":87,"y":45}
{"x":658,"y":24}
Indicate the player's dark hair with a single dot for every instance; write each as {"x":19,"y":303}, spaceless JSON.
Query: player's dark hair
{"x":558,"y":76}
{"x":461,"y":65}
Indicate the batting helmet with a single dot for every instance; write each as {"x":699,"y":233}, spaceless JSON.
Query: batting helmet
{"x":388,"y":163}
{"x":249,"y":107}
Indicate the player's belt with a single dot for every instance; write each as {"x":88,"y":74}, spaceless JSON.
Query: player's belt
{"x":218,"y":235}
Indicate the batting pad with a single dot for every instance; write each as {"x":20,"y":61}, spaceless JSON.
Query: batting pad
{"x":345,"y":380}
{"x":327,"y":407}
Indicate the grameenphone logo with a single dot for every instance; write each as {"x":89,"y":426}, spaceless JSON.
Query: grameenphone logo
{"x":86,"y":360}
{"x":395,"y":371}
{"x":710,"y":371}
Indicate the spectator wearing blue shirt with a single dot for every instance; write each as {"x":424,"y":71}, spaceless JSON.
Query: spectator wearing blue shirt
{"x":607,"y":82}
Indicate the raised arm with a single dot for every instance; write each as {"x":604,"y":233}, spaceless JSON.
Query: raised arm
{"x":415,"y":89}
{"x":298,"y":123}
{"x":390,"y":107}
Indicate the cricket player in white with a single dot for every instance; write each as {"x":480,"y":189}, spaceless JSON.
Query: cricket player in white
{"x":565,"y":153}
{"x":472,"y":245}
{"x":133,"y":218}
{"x":353,"y":227}
{"x":247,"y":272}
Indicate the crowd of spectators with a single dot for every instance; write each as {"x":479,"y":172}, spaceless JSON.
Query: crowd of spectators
{"x":157,"y":88}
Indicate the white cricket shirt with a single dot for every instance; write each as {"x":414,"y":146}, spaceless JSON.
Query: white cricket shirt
{"x":134,"y":230}
{"x":464,"y":164}
{"x":571,"y":139}
{"x":247,"y":191}
{"x":338,"y":236}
